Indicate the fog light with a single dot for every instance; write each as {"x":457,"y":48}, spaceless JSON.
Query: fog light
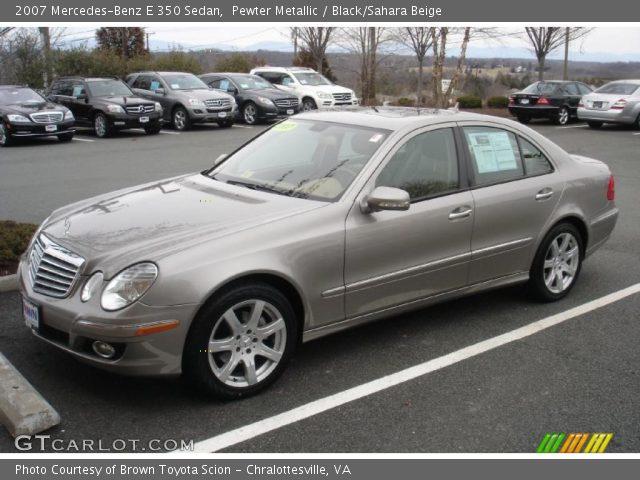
{"x":103,"y":349}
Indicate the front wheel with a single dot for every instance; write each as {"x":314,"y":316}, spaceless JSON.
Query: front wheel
{"x":6,"y":140}
{"x":180,"y":119}
{"x":563,"y":116}
{"x":250,"y":113}
{"x":101,"y":125}
{"x":308,"y":104}
{"x":241,"y":341}
{"x":557,"y":263}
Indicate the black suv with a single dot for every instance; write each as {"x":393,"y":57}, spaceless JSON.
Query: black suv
{"x":25,"y":113}
{"x":257,"y":99}
{"x":106,"y":104}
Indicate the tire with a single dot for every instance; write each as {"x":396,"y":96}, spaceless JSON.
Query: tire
{"x":101,"y":125}
{"x":6,"y":140}
{"x":236,"y":367}
{"x":524,"y":119}
{"x":636,"y":124}
{"x":250,"y":113}
{"x":557,"y":263}
{"x":65,"y":137}
{"x":595,"y":124}
{"x":180,"y":119}
{"x":153,"y":129}
{"x":308,"y":104}
{"x":225,"y":123}
{"x":563,"y":116}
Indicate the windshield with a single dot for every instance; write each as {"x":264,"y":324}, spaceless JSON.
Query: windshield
{"x":184,"y":81}
{"x":109,"y":88}
{"x":19,"y":96}
{"x":303,"y":159}
{"x":545,"y":88}
{"x":618,"y":88}
{"x":251,"y":82}
{"x":311,"y":78}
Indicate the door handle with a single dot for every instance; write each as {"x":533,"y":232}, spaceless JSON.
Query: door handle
{"x":544,"y":194}
{"x":460,"y":212}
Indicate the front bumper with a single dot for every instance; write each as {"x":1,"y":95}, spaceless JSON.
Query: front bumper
{"x":71,"y":325}
{"x":122,"y":121}
{"x":326,"y":103}
{"x":608,"y":116}
{"x":275,"y":112}
{"x":204,"y":115}
{"x":534,"y":111}
{"x":38,"y":129}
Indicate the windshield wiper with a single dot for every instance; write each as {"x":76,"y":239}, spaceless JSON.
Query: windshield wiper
{"x":259,"y":187}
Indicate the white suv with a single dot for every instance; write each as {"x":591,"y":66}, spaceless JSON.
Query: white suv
{"x":313,"y":89}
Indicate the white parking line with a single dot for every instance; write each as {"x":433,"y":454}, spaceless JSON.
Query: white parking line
{"x":169,"y":133}
{"x":261,"y":427}
{"x":82,"y":140}
{"x":574,"y":126}
{"x":241,"y":126}
{"x":637,"y":133}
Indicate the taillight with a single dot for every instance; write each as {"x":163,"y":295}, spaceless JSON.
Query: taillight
{"x":619,"y":105}
{"x":580,"y":104}
{"x":543,"y":101}
{"x":511,"y":100}
{"x":611,"y":189}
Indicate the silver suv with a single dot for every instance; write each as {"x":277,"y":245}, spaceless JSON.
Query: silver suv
{"x":185,"y":98}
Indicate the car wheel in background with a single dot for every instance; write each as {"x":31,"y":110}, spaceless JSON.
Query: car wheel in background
{"x":6,"y":140}
{"x":524,"y":119}
{"x":101,"y":125}
{"x":636,"y":124}
{"x":563,"y":116}
{"x":65,"y":137}
{"x":153,"y":129}
{"x":180,"y":119}
{"x":594,"y":124}
{"x":240,"y":341}
{"x":557,"y":263}
{"x":308,"y":104}
{"x":250,"y":113}
{"x":225,"y":123}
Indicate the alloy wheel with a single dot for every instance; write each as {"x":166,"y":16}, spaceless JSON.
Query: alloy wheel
{"x":561,"y":262}
{"x":3,"y":135}
{"x":308,"y":104}
{"x":563,"y":116}
{"x":100,"y":125}
{"x":249,"y":113}
{"x":180,"y":119}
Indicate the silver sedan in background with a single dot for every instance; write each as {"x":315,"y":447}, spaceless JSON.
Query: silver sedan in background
{"x":616,"y":102}
{"x":323,"y":222}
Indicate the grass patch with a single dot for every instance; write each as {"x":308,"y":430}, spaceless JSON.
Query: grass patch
{"x":14,"y":240}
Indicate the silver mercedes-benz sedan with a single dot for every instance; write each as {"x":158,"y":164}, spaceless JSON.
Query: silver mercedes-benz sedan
{"x":324,"y":221}
{"x":616,"y":102}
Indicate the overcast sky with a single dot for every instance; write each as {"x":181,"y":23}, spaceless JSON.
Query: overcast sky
{"x":619,"y":43}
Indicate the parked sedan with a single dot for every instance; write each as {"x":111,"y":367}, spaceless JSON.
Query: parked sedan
{"x":615,"y":102}
{"x":257,"y":99}
{"x":27,"y":114}
{"x":323,"y":222}
{"x":554,"y":99}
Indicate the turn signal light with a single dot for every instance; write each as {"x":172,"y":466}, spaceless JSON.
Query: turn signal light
{"x":156,"y":328}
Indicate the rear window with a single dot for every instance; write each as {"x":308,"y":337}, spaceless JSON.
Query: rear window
{"x":545,"y":88}
{"x":619,"y":88}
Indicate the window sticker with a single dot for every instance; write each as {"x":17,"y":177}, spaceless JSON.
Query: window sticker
{"x":286,"y":126}
{"x":492,"y":151}
{"x":77,"y":90}
{"x":154,"y":85}
{"x":175,"y":86}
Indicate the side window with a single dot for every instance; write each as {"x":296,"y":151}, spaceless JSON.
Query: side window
{"x":77,"y":89}
{"x":495,"y":156}
{"x":62,"y":88}
{"x":535,"y":163}
{"x":213,"y":82}
{"x":572,"y":89}
{"x":270,"y":77}
{"x":286,"y":80}
{"x":225,"y":84}
{"x":154,"y":84}
{"x":584,"y":90}
{"x":142,"y":82}
{"x":425,"y":166}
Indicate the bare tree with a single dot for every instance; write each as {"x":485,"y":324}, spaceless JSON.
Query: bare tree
{"x":440,"y":36}
{"x":316,"y":41}
{"x":420,"y":40}
{"x":545,"y":40}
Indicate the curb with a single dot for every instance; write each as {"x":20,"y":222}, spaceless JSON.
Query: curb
{"x":23,"y":411}
{"x":8,"y":283}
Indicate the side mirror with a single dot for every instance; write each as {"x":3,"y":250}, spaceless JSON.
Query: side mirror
{"x":81,"y":98}
{"x":160,"y":91}
{"x":386,"y":198}
{"x":220,"y":159}
{"x":232,"y":90}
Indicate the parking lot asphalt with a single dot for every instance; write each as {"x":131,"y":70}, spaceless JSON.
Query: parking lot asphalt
{"x":580,"y":376}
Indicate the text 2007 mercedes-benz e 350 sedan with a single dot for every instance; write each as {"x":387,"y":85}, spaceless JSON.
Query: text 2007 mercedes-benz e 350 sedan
{"x":322,"y":222}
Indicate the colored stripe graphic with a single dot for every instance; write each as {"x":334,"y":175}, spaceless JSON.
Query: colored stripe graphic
{"x":574,"y":443}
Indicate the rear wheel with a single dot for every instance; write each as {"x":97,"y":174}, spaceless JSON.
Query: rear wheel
{"x":65,"y":137}
{"x":594,"y":124}
{"x":557,"y":263}
{"x":524,"y":119}
{"x":241,"y":341}
{"x":101,"y":125}
{"x":563,"y":116}
{"x":6,"y":140}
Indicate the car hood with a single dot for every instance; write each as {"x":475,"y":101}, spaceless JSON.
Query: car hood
{"x":329,"y":88}
{"x":271,"y":93}
{"x":203,"y":94}
{"x":154,"y":220}
{"x":120,"y":100}
{"x":29,"y":108}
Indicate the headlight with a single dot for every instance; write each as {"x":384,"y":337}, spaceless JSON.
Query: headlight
{"x":69,"y":115}
{"x":114,"y":109}
{"x":195,"y":102}
{"x":128,"y":286}
{"x":325,"y":95}
{"x":265,"y":101}
{"x":91,"y":286}
{"x":158,"y":107}
{"x":17,"y":118}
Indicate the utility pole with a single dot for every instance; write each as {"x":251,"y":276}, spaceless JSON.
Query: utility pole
{"x":294,"y":34}
{"x":565,"y":69}
{"x":147,"y":33}
{"x":46,"y":50}
{"x":125,"y":43}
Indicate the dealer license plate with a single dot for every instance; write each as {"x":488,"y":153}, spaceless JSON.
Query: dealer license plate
{"x":290,"y":112}
{"x":524,"y":101}
{"x":597,"y":104}
{"x":222,"y":114}
{"x":31,"y":314}
{"x":144,"y":119}
{"x":51,"y":128}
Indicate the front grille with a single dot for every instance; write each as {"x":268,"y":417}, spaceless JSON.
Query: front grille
{"x":218,"y":103}
{"x":342,"y":97}
{"x":52,"y":269}
{"x":47,"y":117}
{"x":287,"y":102}
{"x":140,"y":109}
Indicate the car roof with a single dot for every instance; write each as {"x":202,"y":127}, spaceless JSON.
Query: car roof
{"x":160,"y":73}
{"x":630,"y":80}
{"x":394,"y":118}
{"x":7,"y":87}
{"x":229,"y":74}
{"x":284,"y":69}
{"x":86,"y":79}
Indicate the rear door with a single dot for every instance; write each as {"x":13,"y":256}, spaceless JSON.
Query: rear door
{"x":515,"y":190}
{"x":572,"y":96}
